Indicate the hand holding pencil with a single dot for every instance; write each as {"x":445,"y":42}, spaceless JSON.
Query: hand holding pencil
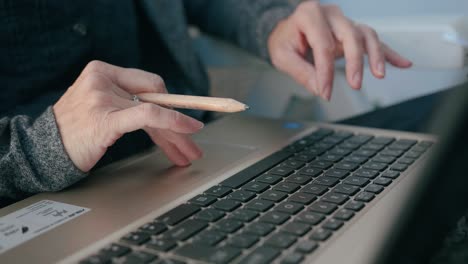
{"x":216,"y":104}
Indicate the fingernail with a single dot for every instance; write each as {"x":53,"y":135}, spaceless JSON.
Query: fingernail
{"x":196,"y":124}
{"x":357,"y":79}
{"x":381,"y":69}
{"x":326,"y":93}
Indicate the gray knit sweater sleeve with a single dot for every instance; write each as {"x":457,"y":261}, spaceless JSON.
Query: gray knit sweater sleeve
{"x":245,"y":22}
{"x":22,"y":140}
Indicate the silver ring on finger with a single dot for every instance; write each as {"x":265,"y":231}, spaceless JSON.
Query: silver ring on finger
{"x":135,"y":98}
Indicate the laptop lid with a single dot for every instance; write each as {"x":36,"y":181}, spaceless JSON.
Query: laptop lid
{"x":440,"y":196}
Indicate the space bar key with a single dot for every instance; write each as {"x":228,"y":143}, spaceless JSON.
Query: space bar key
{"x":256,"y":169}
{"x":209,"y":254}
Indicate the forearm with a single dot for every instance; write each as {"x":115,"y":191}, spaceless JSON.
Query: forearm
{"x":32,"y":157}
{"x":245,"y":22}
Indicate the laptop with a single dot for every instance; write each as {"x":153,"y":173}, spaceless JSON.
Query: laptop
{"x":266,"y":191}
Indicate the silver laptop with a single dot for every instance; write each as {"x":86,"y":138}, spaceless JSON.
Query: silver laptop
{"x":266,"y":191}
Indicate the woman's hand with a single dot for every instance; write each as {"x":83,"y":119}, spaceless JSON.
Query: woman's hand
{"x":98,"y":109}
{"x":306,"y":44}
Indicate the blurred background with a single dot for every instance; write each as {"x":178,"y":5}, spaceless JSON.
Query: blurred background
{"x":433,"y":33}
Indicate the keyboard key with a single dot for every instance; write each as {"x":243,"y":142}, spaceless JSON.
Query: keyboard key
{"x":366,"y":173}
{"x":310,"y":171}
{"x":354,"y":205}
{"x":330,"y":157}
{"x":178,"y":214}
{"x":136,"y":238}
{"x":153,"y":228}
{"x":286,"y":187}
{"x":137,"y":257}
{"x":203,"y":200}
{"x":409,"y":142}
{"x":425,"y":144}
{"x":256,"y":187}
{"x":292,"y":258}
{"x":227,"y":205}
{"x":302,"y":198}
{"x":356,"y":159}
{"x":296,"y":228}
{"x":218,"y":191}
{"x":360,"y":139}
{"x":269,"y":178}
{"x":310,"y":218}
{"x":374,"y":166}
{"x":260,"y":228}
{"x":261,"y":255}
{"x":161,"y":244}
{"x":391,"y":152}
{"x":346,"y":165}
{"x":320,"y":234}
{"x":382,"y":140}
{"x":364,"y":197}
{"x":340,"y":151}
{"x":259,"y":205}
{"x":370,"y":146}
{"x":349,"y":145}
{"x":374,"y":188}
{"x":281,"y":171}
{"x":326,"y":181}
{"x":306,"y":246}
{"x":292,"y":163}
{"x":364,"y":153}
{"x":242,"y":241}
{"x":398,"y":167}
{"x":228,"y":225}
{"x":332,"y":224}
{"x":281,"y":240}
{"x":323,"y":207}
{"x":169,"y":261}
{"x":244,"y":215}
{"x":96,"y":259}
{"x":320,"y":164}
{"x":240,"y":178}
{"x":241,"y":196}
{"x":382,"y":181}
{"x":274,"y":196}
{"x":357,"y":181}
{"x":274,"y":217}
{"x":383,"y":159}
{"x":185,"y":230}
{"x":299,"y":179}
{"x":208,"y":254}
{"x":346,"y":189}
{"x":344,"y":214}
{"x":210,"y":215}
{"x":305,"y":156}
{"x":406,"y":161}
{"x":336,"y":173}
{"x":336,"y":198}
{"x":289,"y":207}
{"x":397,"y":146}
{"x":391,"y":174}
{"x":114,"y":251}
{"x":315,"y":189}
{"x":209,"y":237}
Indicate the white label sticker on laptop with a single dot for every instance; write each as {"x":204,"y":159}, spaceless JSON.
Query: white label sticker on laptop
{"x":29,"y":222}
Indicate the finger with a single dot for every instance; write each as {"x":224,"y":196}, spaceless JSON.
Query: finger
{"x":374,"y":50}
{"x":302,"y":71}
{"x":184,"y":143}
{"x":352,"y":41}
{"x":314,"y":25}
{"x":171,"y":150}
{"x":395,"y":59}
{"x":153,"y":116}
{"x":131,"y":80}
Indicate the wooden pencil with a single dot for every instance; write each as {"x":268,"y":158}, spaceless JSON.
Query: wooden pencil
{"x":216,"y":104}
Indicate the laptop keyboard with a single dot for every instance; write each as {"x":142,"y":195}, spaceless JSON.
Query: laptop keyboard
{"x":279,"y":209}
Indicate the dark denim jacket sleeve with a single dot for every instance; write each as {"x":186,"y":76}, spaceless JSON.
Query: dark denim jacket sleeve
{"x":245,"y":22}
{"x":22,"y":140}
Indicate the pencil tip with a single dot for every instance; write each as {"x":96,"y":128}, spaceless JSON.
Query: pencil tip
{"x":247,"y":107}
